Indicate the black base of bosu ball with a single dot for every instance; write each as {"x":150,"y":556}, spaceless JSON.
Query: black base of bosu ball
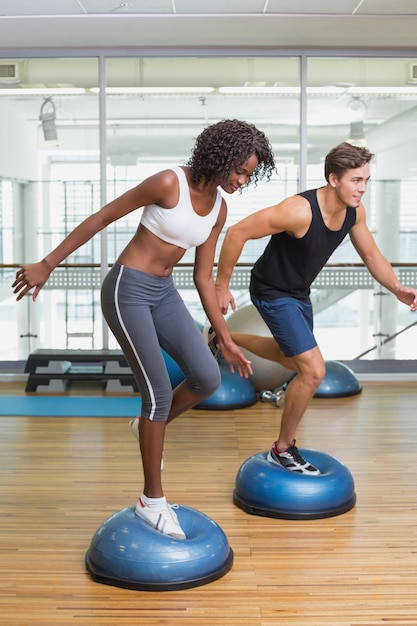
{"x":264,"y":488}
{"x":126,"y":552}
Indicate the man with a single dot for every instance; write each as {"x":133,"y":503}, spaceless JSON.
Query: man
{"x":305,"y":230}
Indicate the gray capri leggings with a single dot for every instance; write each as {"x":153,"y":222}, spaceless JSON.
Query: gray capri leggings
{"x":146,"y":313}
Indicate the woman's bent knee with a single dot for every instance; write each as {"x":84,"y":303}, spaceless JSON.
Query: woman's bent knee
{"x":206,"y":383}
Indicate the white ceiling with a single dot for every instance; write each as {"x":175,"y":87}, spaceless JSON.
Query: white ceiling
{"x":159,"y":29}
{"x":207,"y":23}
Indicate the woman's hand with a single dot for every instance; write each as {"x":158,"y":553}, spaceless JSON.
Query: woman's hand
{"x":30,"y":276}
{"x":236,"y":359}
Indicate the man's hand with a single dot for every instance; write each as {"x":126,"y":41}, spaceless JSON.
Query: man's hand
{"x":408,"y":295}
{"x":225,"y":298}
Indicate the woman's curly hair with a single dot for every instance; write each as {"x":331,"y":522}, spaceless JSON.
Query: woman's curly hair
{"x":227,"y":145}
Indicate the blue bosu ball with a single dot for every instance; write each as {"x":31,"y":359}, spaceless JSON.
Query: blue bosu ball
{"x":127,"y":552}
{"x":264,"y":488}
{"x":175,"y":373}
{"x":234,"y":392}
{"x":339,"y":381}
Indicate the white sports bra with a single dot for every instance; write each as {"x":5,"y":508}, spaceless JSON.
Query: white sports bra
{"x":181,"y":225}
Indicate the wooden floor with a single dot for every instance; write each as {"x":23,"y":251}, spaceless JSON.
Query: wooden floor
{"x":61,"y":478}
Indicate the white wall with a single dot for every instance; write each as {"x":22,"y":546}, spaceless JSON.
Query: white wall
{"x":19,"y":145}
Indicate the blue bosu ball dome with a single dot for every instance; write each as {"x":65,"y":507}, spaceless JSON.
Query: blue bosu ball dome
{"x":339,"y":381}
{"x":264,"y":488}
{"x":234,"y":392}
{"x":127,"y":552}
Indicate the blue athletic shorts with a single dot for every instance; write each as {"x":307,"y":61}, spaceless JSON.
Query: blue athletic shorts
{"x":290,"y":322}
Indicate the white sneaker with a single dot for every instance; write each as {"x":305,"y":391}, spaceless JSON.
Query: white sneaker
{"x":210,"y":337}
{"x":134,"y":429}
{"x":162,"y":518}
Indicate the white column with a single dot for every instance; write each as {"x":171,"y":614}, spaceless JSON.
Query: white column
{"x":388,"y":240}
{"x":26,"y":251}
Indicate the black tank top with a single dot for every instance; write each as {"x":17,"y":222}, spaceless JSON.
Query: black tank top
{"x":289,"y":265}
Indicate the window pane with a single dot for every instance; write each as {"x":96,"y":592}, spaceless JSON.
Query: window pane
{"x":369,"y":102}
{"x":49,"y":152}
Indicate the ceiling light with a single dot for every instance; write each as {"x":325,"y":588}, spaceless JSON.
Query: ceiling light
{"x":42,"y":91}
{"x":357,"y":134}
{"x":47,"y":117}
{"x":153,"y":90}
{"x":260,"y":90}
{"x":358,"y":108}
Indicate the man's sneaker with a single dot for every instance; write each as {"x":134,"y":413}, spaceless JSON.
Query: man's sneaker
{"x":292,"y":460}
{"x":134,"y":429}
{"x":210,"y":337}
{"x":162,"y":518}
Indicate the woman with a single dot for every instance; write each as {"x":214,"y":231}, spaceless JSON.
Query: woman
{"x":183,"y":208}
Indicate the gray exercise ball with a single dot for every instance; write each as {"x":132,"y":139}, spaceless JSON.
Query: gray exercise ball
{"x":266,"y":374}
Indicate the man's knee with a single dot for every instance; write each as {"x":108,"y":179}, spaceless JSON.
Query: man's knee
{"x":319,"y":372}
{"x":311,"y":370}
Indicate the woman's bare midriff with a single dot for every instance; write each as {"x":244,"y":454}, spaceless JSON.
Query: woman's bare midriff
{"x":147,"y":253}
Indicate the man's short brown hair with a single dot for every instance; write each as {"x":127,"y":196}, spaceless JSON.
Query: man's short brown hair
{"x":345,"y":157}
